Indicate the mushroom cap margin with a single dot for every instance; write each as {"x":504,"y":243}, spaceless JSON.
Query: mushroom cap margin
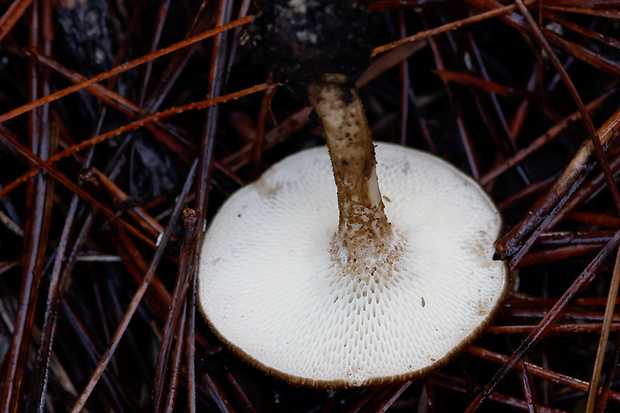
{"x":394,"y":163}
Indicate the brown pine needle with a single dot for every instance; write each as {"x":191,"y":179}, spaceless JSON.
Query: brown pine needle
{"x":612,"y":297}
{"x":139,"y":294}
{"x":123,"y":68}
{"x":445,"y":28}
{"x":48,"y":165}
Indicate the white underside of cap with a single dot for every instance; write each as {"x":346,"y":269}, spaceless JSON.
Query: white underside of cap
{"x":269,"y":287}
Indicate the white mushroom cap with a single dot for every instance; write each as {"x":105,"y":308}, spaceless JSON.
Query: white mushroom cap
{"x":271,"y":288}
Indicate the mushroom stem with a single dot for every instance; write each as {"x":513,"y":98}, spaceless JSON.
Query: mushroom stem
{"x":363,"y":230}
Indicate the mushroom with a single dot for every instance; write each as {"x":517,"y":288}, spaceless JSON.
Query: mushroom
{"x":294,"y":293}
{"x":316,"y":276}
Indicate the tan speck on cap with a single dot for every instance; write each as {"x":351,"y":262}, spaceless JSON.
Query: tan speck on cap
{"x":271,"y":289}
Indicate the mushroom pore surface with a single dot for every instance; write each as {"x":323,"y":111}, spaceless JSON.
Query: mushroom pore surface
{"x":272,"y":288}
